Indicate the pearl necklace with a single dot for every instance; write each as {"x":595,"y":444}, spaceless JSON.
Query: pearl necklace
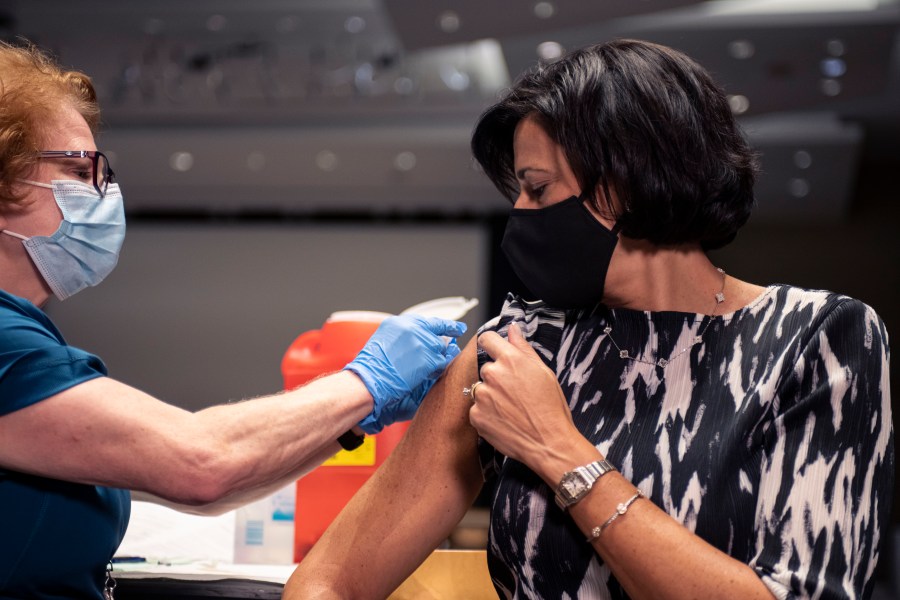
{"x":662,"y":362}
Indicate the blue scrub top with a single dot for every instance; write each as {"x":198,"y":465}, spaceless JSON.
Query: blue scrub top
{"x":56,"y":537}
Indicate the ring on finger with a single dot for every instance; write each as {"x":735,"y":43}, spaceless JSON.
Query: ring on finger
{"x":470,"y":391}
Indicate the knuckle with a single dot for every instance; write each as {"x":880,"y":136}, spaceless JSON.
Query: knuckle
{"x":487,"y":371}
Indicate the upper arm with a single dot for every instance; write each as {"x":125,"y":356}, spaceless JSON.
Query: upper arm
{"x":408,"y":506}
{"x":827,"y":473}
{"x":99,"y":432}
{"x":62,"y":418}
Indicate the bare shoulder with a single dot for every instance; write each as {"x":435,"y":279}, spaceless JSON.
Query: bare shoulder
{"x":445,"y":410}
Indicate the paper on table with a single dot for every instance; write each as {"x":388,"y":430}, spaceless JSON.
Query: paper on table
{"x":205,"y":571}
{"x":162,"y":534}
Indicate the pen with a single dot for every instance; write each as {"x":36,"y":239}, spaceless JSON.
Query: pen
{"x":128,"y":559}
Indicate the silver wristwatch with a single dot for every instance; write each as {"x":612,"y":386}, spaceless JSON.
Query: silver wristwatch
{"x":575,"y":484}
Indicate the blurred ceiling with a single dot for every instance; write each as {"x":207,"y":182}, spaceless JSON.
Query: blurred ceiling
{"x":350,"y":106}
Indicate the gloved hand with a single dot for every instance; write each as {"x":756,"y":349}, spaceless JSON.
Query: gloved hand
{"x":400,"y":363}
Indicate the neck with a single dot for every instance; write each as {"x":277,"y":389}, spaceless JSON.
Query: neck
{"x":36,"y":295}
{"x":35,"y":291}
{"x":677,"y":278}
{"x":18,"y":275}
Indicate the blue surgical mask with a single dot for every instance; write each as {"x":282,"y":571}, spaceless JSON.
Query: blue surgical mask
{"x":85,"y":248}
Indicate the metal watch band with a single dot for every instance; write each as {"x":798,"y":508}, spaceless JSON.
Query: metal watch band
{"x":599,"y":468}
{"x":589,"y":473}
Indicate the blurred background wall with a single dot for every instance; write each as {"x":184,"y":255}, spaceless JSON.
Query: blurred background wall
{"x":282,"y":159}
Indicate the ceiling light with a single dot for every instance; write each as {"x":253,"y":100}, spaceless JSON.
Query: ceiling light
{"x":802,"y":159}
{"x":405,"y":161}
{"x":216,"y":22}
{"x":327,"y":160}
{"x":544,"y":10}
{"x":798,"y":187}
{"x":404,"y":86}
{"x":739,"y":104}
{"x":549,"y":51}
{"x":181,"y":161}
{"x":741,"y":49}
{"x":831,"y":87}
{"x":835,"y":47}
{"x":256,"y":161}
{"x":833,"y":67}
{"x":354,"y":24}
{"x":448,"y":21}
{"x":454,"y":79}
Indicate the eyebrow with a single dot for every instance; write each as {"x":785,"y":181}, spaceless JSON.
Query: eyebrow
{"x":520,"y":174}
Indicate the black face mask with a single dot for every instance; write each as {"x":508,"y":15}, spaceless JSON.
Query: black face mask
{"x":561,"y":252}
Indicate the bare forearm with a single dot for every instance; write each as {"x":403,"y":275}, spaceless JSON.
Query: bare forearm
{"x":645,"y":548}
{"x":269,"y":441}
{"x":240,"y":497}
{"x":103,"y":432}
{"x":655,"y":557}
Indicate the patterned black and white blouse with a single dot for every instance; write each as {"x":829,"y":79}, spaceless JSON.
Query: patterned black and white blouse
{"x":771,"y":439}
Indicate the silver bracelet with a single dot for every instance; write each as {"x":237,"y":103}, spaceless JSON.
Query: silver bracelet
{"x":621,"y":509}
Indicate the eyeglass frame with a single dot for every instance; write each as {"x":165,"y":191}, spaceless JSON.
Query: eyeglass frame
{"x":94,"y":155}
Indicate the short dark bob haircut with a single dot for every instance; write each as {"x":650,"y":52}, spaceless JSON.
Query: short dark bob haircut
{"x":644,"y":120}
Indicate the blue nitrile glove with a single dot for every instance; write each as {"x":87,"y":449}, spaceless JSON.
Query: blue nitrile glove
{"x":406,"y":408}
{"x":400,"y":363}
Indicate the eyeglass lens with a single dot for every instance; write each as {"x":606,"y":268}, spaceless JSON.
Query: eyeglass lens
{"x":102,"y":173}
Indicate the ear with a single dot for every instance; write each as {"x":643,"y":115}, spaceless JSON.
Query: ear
{"x":605,"y":205}
{"x":606,"y":200}
{"x":10,"y":209}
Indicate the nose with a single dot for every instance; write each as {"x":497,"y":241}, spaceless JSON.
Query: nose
{"x":523,"y":201}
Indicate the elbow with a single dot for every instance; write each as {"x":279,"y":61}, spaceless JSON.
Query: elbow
{"x":307,"y":584}
{"x":200,"y":475}
{"x":309,"y":592}
{"x":200,"y":497}
{"x":211,"y":478}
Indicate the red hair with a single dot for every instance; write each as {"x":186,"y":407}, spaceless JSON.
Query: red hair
{"x":33,"y":87}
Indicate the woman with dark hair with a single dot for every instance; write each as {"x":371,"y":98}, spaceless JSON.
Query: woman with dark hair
{"x":656,"y":427}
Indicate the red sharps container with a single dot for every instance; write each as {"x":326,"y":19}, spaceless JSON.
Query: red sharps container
{"x":324,"y":492}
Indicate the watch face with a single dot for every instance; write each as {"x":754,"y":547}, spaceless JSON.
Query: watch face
{"x":574,"y":485}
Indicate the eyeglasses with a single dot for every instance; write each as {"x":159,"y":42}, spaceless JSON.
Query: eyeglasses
{"x":101,"y":175}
